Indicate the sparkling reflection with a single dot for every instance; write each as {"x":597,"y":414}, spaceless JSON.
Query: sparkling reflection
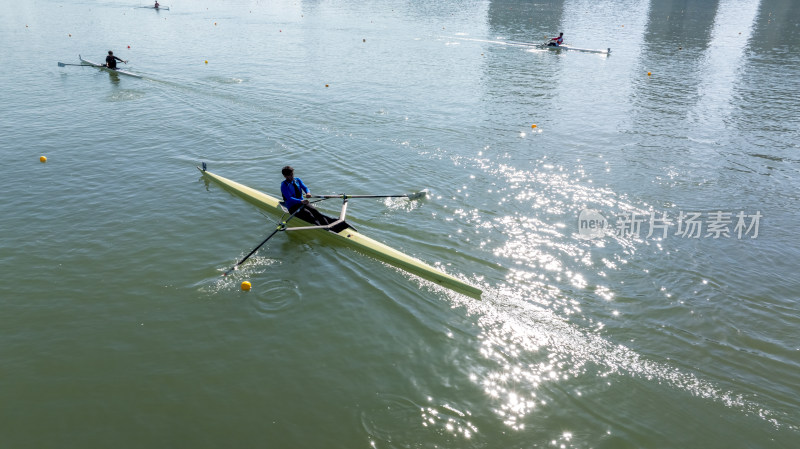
{"x":528,"y":338}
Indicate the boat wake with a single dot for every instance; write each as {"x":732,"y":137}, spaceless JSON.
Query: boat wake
{"x":533,"y":349}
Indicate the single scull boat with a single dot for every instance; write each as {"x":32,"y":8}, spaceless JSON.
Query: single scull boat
{"x":103,"y":67}
{"x":569,"y":47}
{"x":350,"y":236}
{"x":533,"y":45}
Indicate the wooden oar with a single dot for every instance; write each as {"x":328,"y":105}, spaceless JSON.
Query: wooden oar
{"x":281,"y":226}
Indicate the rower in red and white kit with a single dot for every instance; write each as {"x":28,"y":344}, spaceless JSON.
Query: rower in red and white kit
{"x":556,"y":41}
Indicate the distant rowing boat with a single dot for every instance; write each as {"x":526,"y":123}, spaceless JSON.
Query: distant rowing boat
{"x":153,"y":7}
{"x":535,"y":45}
{"x":560,"y":47}
{"x":570,"y":47}
{"x":103,"y":67}
{"x":349,"y":236}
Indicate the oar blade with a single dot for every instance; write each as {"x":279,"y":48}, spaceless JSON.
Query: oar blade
{"x":61,"y":64}
{"x":417,"y":195}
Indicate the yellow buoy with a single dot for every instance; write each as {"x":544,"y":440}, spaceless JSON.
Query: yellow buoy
{"x":533,"y":126}
{"x":206,"y":61}
{"x":42,"y":159}
{"x":649,"y":73}
{"x":246,"y":286}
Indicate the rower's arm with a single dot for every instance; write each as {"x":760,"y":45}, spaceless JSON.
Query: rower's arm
{"x":303,"y":187}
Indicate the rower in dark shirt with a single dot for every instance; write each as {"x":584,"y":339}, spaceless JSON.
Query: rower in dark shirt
{"x":111,"y":60}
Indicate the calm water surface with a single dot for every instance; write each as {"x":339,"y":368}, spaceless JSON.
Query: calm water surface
{"x":118,"y":331}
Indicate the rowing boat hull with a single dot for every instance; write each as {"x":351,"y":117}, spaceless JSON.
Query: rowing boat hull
{"x":102,"y":67}
{"x":585,"y":50}
{"x":354,"y":238}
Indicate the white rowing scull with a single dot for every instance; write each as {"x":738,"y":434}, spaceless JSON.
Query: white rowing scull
{"x":534,"y":45}
{"x":103,"y":67}
{"x":570,"y":47}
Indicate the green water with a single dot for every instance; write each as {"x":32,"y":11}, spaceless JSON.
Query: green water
{"x":117,"y":329}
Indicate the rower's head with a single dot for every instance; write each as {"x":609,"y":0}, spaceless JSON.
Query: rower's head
{"x":288,"y":172}
{"x":560,"y":34}
{"x":110,"y":53}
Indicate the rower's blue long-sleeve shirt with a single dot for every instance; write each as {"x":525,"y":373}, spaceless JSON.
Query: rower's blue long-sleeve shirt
{"x":293,"y":193}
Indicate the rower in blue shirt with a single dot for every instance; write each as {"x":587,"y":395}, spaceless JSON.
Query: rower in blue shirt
{"x":295,"y":192}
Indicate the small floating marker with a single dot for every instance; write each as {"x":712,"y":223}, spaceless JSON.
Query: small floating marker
{"x":215,"y":23}
{"x":280,"y":31}
{"x":327,"y":85}
{"x":364,"y":40}
{"x":246,"y":286}
{"x":43,"y":159}
{"x":129,"y":46}
{"x":680,"y":48}
{"x":206,"y":61}
{"x":533,"y":126}
{"x":649,"y":73}
{"x":70,"y":35}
